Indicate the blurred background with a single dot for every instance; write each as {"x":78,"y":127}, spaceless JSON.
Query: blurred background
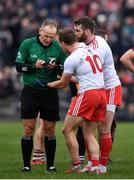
{"x":20,"y":19}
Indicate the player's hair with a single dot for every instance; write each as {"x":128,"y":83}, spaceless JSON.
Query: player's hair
{"x":50,"y":22}
{"x":67,"y":35}
{"x":86,"y":22}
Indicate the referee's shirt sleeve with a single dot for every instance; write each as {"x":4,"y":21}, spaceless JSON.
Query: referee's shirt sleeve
{"x":21,"y":59}
{"x":23,"y":53}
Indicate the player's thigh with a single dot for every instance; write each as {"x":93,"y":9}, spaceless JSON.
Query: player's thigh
{"x":71,"y":123}
{"x":40,"y":131}
{"x":89,"y":128}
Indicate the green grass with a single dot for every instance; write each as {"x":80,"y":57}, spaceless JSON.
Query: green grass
{"x":11,"y":160}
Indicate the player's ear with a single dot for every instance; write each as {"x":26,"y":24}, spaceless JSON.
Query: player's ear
{"x":62,"y":43}
{"x":87,"y":31}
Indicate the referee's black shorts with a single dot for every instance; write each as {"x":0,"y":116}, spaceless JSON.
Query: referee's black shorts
{"x":42,"y":101}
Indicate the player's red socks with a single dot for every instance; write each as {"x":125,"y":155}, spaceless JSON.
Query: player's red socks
{"x":95,"y":160}
{"x":105,"y":147}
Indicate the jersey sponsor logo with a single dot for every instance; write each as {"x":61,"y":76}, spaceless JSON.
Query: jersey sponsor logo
{"x":19,"y":56}
{"x":33,"y":55}
{"x":82,"y":59}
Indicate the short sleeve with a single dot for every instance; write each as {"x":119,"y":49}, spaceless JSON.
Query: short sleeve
{"x":23,"y":52}
{"x":69,"y":65}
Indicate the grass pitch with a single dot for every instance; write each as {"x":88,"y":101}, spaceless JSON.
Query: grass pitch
{"x":11,"y":160}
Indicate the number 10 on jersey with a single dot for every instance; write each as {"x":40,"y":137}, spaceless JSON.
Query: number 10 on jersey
{"x":95,"y":63}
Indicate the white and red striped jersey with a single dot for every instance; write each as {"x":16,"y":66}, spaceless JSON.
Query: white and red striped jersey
{"x":100,"y":46}
{"x":86,"y":67}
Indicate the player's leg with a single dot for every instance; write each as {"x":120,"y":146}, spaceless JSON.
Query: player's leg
{"x":113,"y":128}
{"x":97,"y":115}
{"x":105,"y":135}
{"x":38,"y":151}
{"x":89,"y":129}
{"x":70,"y":124}
{"x":114,"y":99}
{"x":105,"y":139}
{"x":81,"y":142}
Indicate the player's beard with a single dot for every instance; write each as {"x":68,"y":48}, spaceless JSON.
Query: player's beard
{"x":82,"y":38}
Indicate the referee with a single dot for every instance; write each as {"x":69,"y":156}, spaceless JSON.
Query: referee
{"x":39,"y":59}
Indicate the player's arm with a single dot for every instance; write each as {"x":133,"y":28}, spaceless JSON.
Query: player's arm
{"x":74,"y":80}
{"x":62,"y":83}
{"x":127,"y":58}
{"x":69,"y":66}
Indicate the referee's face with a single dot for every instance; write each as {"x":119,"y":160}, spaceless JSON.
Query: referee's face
{"x":47,"y":34}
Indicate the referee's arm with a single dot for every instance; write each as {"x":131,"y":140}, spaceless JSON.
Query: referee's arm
{"x":21,"y":68}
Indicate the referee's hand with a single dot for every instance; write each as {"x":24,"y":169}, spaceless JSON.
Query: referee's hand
{"x":40,"y":63}
{"x":51,"y":65}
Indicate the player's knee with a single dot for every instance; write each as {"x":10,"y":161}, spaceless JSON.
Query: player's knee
{"x":104,"y":127}
{"x":65,"y":131}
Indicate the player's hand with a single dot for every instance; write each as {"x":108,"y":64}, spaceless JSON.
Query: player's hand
{"x":74,"y":80}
